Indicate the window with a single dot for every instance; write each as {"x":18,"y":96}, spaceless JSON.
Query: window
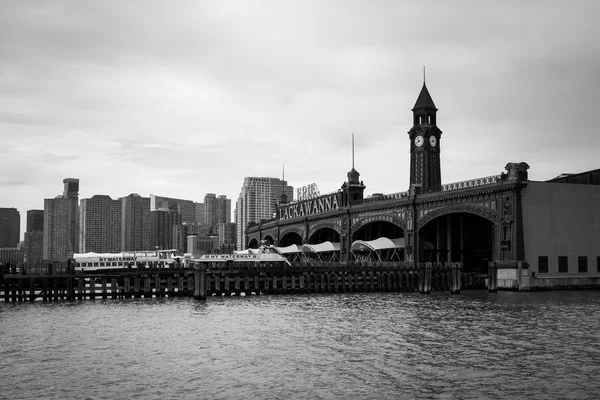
{"x":563,"y":264}
{"x":582,"y":264}
{"x":543,"y":264}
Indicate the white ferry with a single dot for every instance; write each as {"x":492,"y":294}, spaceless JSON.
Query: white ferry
{"x":93,"y":262}
{"x":264,"y":254}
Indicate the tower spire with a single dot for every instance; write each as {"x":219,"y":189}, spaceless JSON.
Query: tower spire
{"x":423,"y":75}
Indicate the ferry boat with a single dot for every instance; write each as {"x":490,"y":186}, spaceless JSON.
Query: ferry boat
{"x":102,"y":262}
{"x":264,"y":254}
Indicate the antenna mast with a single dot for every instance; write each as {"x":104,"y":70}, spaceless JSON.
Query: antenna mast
{"x":353,"y":151}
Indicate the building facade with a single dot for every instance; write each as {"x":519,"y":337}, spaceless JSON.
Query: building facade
{"x":162,"y":223}
{"x":227,"y":237}
{"x":135,"y":223}
{"x":536,"y":235}
{"x":217,"y":210}
{"x":34,"y":237}
{"x":10,"y":227}
{"x":186,"y":208}
{"x":100,"y":225}
{"x":61,"y":220}
{"x":258,"y":199}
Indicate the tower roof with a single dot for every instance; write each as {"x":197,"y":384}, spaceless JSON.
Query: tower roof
{"x":424,"y":99}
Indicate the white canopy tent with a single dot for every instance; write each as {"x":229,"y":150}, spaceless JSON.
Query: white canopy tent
{"x":292,"y":252}
{"x":391,"y":249}
{"x":326,"y":251}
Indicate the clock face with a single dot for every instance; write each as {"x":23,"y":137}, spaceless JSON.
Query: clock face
{"x":432,"y":141}
{"x":419,"y":141}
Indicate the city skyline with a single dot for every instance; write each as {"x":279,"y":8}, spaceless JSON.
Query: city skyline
{"x":91,"y":90}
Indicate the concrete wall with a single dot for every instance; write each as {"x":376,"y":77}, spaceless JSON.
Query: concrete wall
{"x":561,"y":220}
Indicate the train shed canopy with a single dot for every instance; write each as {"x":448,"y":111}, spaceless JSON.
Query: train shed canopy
{"x":377,"y":244}
{"x":291,"y":249}
{"x":321,"y":247}
{"x":326,"y":251}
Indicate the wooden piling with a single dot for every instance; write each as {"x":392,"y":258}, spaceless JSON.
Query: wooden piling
{"x":200,"y":283}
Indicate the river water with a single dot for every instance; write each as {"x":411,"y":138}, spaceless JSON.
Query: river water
{"x":335,"y":346}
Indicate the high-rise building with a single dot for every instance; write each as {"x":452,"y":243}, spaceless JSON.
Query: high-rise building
{"x":257,"y":200}
{"x":161,"y":228}
{"x":135,"y":223}
{"x":35,"y":220}
{"x":211,"y":209}
{"x":186,"y":208}
{"x":34,"y":237}
{"x":217,"y":210}
{"x":61,"y":219}
{"x":10,"y":227}
{"x":227,"y":237}
{"x":200,"y":214}
{"x":100,"y":225}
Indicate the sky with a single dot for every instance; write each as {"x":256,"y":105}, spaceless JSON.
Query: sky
{"x":183,"y":98}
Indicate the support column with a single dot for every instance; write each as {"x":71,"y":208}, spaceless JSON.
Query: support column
{"x":462,"y":238}
{"x":449,"y":236}
{"x":438,"y":241}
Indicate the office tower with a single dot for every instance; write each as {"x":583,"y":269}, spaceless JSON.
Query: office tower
{"x":186,"y":208}
{"x":100,"y":225}
{"x":200,"y":214}
{"x":34,"y":237}
{"x":223,"y":209}
{"x":211,"y":209}
{"x":10,"y":227}
{"x":227,"y":237}
{"x":161,"y":228}
{"x":61,"y":219}
{"x":182,"y":231}
{"x":135,"y":223}
{"x":35,"y":220}
{"x":257,"y":200}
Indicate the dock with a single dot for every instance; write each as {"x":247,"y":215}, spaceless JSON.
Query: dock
{"x":218,"y":279}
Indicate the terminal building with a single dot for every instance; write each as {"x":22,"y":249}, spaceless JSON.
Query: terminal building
{"x":538,"y":234}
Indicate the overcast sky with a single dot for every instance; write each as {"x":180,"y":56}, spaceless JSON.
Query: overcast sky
{"x":183,"y":98}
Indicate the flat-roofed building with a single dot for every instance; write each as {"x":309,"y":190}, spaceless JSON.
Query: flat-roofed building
{"x":61,"y":219}
{"x":100,"y":225}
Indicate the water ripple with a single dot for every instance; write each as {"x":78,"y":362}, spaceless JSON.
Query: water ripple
{"x":360,"y":346}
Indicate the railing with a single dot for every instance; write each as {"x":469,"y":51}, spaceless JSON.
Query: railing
{"x":391,"y":196}
{"x":471,"y":183}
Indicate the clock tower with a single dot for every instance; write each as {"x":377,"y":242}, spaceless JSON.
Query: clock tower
{"x":425,"y":144}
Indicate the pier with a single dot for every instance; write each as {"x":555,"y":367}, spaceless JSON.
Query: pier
{"x":54,"y":283}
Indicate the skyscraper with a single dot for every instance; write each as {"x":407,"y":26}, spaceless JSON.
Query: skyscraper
{"x":200,"y":213}
{"x":162,"y":223}
{"x":35,"y":220}
{"x":61,"y":233}
{"x":257,"y":200}
{"x":227,"y":237}
{"x":211,"y":209}
{"x":100,"y":225}
{"x":217,"y":210}
{"x":10,"y":227}
{"x":186,"y":208}
{"x":135,"y":223}
{"x":34,"y":237}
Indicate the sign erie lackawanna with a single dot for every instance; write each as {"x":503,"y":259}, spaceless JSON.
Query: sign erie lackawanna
{"x":328,"y":202}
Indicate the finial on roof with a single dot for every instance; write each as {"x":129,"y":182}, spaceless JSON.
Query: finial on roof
{"x":423,"y":74}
